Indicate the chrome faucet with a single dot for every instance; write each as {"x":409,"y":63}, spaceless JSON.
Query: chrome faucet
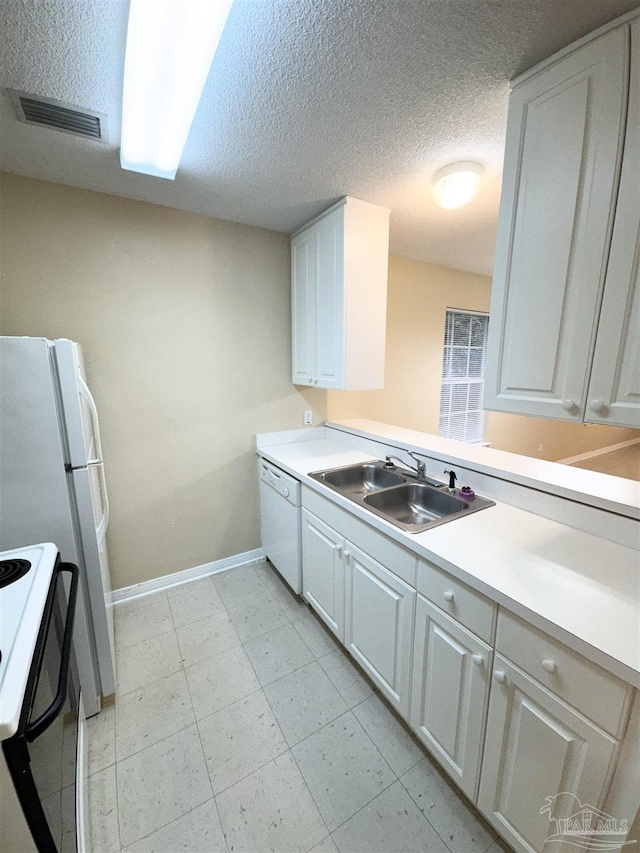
{"x":420,"y":467}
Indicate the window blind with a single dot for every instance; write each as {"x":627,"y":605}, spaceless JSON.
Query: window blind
{"x":465,"y":344}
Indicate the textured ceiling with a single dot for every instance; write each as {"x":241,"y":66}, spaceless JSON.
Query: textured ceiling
{"x":307,"y":101}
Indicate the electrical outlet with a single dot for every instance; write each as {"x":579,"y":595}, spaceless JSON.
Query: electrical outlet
{"x":540,"y":448}
{"x":308,"y":417}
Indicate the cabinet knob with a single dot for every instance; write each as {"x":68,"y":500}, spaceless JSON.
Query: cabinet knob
{"x":549,"y":665}
{"x":338,"y":549}
{"x":598,"y":406}
{"x":285,"y":492}
{"x":568,"y":405}
{"x":500,"y":676}
{"x":346,"y":553}
{"x":448,"y":595}
{"x":477,"y":659}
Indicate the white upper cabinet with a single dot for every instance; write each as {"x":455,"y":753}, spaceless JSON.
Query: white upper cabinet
{"x":614,"y":389}
{"x":339,"y":266}
{"x":556,"y":263}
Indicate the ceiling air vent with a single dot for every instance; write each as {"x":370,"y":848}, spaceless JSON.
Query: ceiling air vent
{"x":68,"y":118}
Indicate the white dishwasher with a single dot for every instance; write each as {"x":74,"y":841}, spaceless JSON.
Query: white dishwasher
{"x":281,"y":525}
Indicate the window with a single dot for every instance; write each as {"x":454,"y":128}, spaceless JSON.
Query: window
{"x":465,"y":344}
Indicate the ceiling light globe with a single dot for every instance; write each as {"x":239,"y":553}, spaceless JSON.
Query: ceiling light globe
{"x":456,"y":185}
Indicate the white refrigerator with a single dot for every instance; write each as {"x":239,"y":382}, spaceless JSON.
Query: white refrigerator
{"x":52,"y":486}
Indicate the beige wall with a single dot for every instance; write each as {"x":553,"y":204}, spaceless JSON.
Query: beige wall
{"x":551,"y":440}
{"x":419,"y":295}
{"x":185,"y":326}
{"x":417,"y":298}
{"x":184,"y":321}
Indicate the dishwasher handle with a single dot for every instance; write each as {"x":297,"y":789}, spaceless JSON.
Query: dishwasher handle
{"x":282,"y":483}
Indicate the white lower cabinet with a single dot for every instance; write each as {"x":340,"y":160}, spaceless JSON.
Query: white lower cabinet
{"x":543,"y":761}
{"x":531,"y":733}
{"x":323,"y":571}
{"x":449,"y":697}
{"x":379,"y":625}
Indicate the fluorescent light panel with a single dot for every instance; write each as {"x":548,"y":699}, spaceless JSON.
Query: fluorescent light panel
{"x":170,"y":48}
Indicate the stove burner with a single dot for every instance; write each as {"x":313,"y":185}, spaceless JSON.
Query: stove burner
{"x":12,"y":570}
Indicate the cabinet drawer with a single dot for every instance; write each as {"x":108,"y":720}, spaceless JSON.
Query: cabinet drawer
{"x":594,"y":692}
{"x":470,"y":608}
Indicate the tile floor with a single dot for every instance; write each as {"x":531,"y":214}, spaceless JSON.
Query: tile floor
{"x":240,"y":725}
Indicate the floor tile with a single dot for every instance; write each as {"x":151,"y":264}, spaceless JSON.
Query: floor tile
{"x":197,"y":831}
{"x":220,"y":680}
{"x":194,"y":602}
{"x":52,"y":808}
{"x":398,"y":747}
{"x":103,"y":811}
{"x":146,"y":662}
{"x":278,"y":653}
{"x":316,"y":636}
{"x":191,"y":587}
{"x":499,"y":846}
{"x":141,"y":621}
{"x":151,"y":713}
{"x":391,"y":823}
{"x":292,"y":604}
{"x":304,"y":701}
{"x":238,"y":586}
{"x":101,"y":738}
{"x":453,"y":818}
{"x":206,"y":637}
{"x":258,"y":617}
{"x":161,"y":783}
{"x":327,"y":845}
{"x":239,"y":739}
{"x":350,"y":683}
{"x":133,"y":604}
{"x":271,"y":810}
{"x":342,"y":768}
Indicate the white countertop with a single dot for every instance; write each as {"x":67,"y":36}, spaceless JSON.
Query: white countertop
{"x":582,"y":589}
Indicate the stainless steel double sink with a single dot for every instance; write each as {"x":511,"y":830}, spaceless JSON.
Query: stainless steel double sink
{"x":398,"y":496}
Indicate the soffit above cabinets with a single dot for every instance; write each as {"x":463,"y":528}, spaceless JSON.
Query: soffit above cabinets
{"x":307,"y":101}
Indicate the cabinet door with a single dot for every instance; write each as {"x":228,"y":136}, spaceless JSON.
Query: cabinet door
{"x":561,"y":171}
{"x":303,"y":285}
{"x":449,"y":694}
{"x":329,"y":304}
{"x":614,"y":389}
{"x":540,"y":758}
{"x":379,"y":625}
{"x":323,"y":571}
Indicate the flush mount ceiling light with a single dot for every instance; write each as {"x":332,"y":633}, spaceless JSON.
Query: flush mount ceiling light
{"x":456,"y":185}
{"x":170,"y":48}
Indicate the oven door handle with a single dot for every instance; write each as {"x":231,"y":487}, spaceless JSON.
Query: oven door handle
{"x":37,"y":727}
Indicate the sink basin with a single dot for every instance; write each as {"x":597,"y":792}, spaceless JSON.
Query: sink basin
{"x":397,"y":496}
{"x":359,"y":480}
{"x":415,"y":505}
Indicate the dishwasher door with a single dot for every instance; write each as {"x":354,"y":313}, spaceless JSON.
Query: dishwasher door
{"x":281,"y":523}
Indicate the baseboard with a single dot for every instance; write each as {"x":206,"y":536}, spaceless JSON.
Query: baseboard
{"x":138,"y":590}
{"x":599,"y":452}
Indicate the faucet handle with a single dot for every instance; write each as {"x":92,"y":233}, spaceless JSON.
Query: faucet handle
{"x":452,"y":478}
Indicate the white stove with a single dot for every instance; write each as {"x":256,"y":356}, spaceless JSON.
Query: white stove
{"x":22,"y":602}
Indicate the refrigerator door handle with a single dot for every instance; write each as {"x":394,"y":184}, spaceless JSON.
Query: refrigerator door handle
{"x":84,"y":391}
{"x":104,"y":521}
